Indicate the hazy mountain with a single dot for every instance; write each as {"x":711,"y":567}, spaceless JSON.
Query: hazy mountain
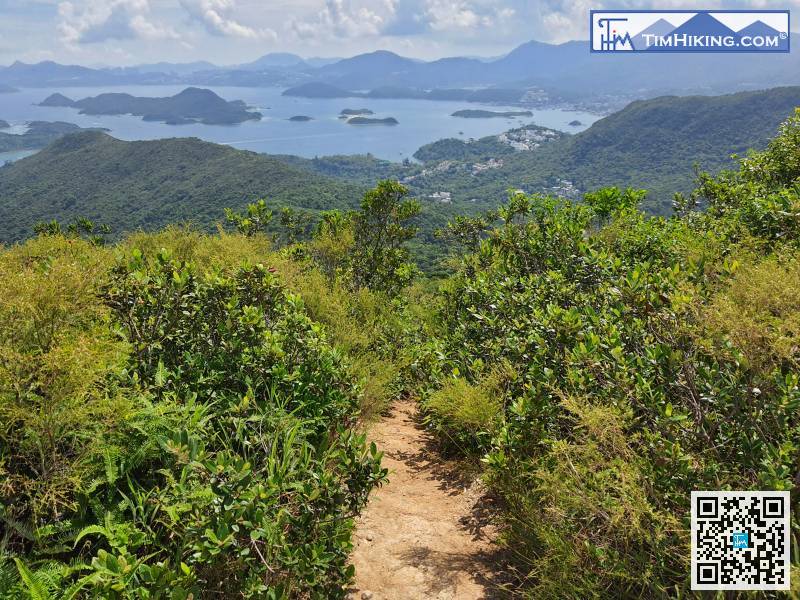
{"x":49,"y":73}
{"x":176,"y":68}
{"x":367,"y":70}
{"x":319,"y":61}
{"x":274,"y":60}
{"x":565,"y":70}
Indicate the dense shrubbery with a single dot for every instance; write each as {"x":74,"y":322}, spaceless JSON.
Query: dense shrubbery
{"x":617,"y":363}
{"x":190,"y":433}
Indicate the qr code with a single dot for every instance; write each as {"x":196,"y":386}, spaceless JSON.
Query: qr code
{"x":740,"y":540}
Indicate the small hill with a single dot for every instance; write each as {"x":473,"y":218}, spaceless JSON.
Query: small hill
{"x":367,"y":70}
{"x":4,"y":124}
{"x":149,"y":184}
{"x":275,"y":60}
{"x":57,"y":100}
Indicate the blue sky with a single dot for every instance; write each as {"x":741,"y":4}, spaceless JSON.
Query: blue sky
{"x":124,"y":32}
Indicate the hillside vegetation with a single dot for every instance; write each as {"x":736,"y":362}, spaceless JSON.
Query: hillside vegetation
{"x":179,"y":413}
{"x":653,"y":144}
{"x":599,"y":363}
{"x":132,"y":185}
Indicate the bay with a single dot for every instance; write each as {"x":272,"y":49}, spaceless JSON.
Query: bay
{"x":420,"y":121}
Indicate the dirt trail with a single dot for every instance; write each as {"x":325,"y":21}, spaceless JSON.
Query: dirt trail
{"x":426,"y":534}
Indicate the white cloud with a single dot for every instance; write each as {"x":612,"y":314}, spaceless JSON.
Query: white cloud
{"x":100,"y":21}
{"x":217,"y":18}
{"x":346,"y":19}
{"x":444,"y":15}
{"x":463,"y":16}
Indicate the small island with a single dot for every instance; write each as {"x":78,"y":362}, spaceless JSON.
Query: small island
{"x":57,"y":99}
{"x":489,"y":114}
{"x":316,"y":89}
{"x":370,"y":121}
{"x":4,"y":124}
{"x":192,"y":105}
{"x":575,"y":123}
{"x":301,"y":118}
{"x":7,"y":89}
{"x":356,"y":112}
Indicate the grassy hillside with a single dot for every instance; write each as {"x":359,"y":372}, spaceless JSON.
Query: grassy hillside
{"x":131,"y":185}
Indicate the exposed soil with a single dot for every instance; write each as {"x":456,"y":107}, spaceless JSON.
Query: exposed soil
{"x":428,"y":532}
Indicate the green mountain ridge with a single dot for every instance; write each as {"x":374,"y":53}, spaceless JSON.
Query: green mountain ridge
{"x":653,"y":144}
{"x":148,"y":184}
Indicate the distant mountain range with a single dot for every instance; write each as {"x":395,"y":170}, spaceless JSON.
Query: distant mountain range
{"x":565,"y":71}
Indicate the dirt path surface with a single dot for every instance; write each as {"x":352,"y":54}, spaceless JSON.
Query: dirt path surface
{"x":426,"y":534}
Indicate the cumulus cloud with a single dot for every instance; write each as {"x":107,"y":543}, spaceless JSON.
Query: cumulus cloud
{"x":445,"y":15}
{"x":217,"y":18}
{"x":346,"y":19}
{"x":363,"y":18}
{"x":99,"y":21}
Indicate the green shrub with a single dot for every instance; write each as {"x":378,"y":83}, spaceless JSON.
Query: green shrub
{"x":649,"y":358}
{"x":222,"y":458}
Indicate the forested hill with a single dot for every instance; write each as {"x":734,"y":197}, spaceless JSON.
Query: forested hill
{"x":652,"y":144}
{"x":130,"y":185}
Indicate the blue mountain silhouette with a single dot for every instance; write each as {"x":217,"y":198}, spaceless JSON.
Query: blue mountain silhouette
{"x":704,"y":24}
{"x":758,"y":28}
{"x":661,"y":27}
{"x":762,"y":29}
